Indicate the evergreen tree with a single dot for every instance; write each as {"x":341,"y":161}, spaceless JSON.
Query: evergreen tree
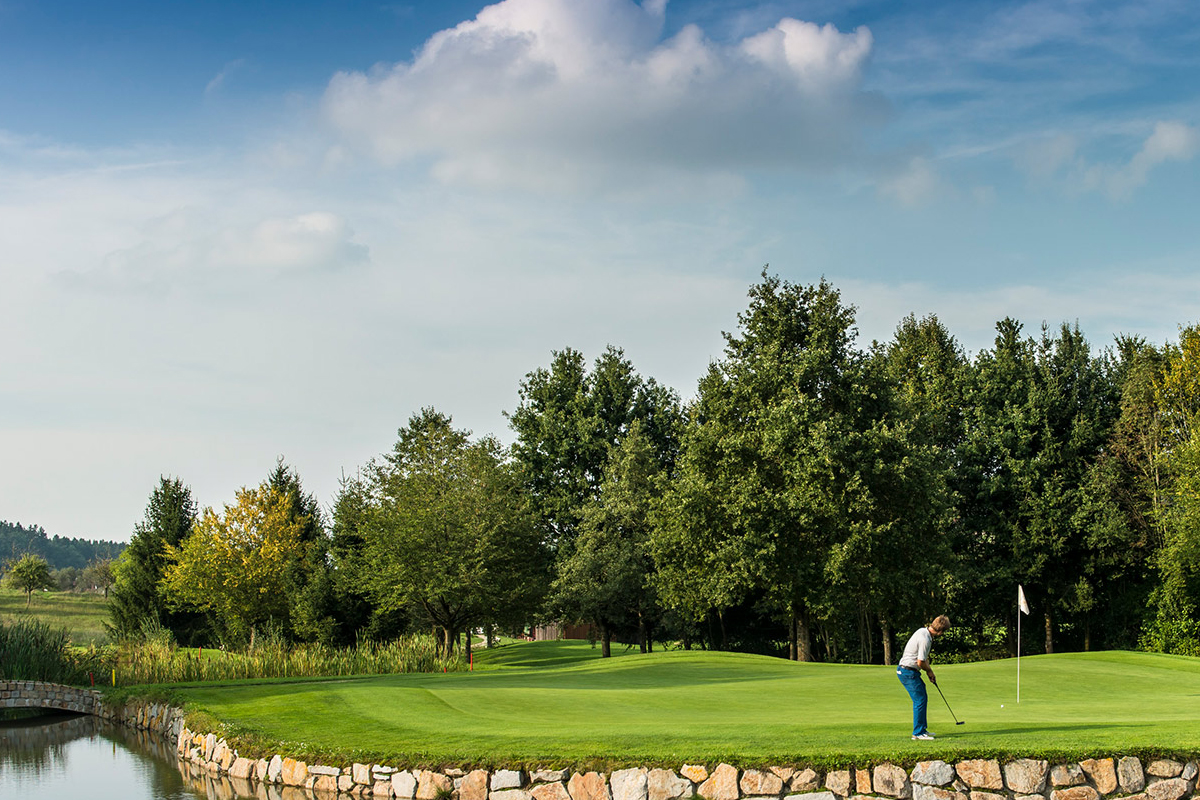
{"x":137,"y":595}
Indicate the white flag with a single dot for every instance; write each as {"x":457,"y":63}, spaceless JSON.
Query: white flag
{"x":1021,"y":604}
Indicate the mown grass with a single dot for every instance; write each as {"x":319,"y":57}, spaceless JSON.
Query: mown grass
{"x":557,"y":703}
{"x":82,"y":614}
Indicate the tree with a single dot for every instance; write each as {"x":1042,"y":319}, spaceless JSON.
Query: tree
{"x":607,"y":578}
{"x":568,"y":419}
{"x":137,"y":594}
{"x":448,"y":530}
{"x":98,"y":575}
{"x":28,"y":574}
{"x":234,"y":564}
{"x":312,"y":614}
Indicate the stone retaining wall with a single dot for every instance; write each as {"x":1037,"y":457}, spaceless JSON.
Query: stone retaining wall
{"x":204,"y":756}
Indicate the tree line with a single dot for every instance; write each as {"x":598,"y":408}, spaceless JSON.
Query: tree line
{"x":60,"y":552}
{"x":818,"y":499}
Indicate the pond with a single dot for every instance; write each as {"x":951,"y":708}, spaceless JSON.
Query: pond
{"x":62,"y":755}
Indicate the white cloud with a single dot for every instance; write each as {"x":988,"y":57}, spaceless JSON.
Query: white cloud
{"x":191,"y":249}
{"x":916,"y":184}
{"x":219,"y":79}
{"x":1170,"y":141}
{"x":531,"y":91}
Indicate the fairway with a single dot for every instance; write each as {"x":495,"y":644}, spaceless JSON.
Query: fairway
{"x":83,"y":614}
{"x":538,"y":703}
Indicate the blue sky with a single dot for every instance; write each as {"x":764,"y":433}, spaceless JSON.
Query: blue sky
{"x":238,"y":231}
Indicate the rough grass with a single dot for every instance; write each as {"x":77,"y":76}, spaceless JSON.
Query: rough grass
{"x":83,"y":614}
{"x":558,"y":703}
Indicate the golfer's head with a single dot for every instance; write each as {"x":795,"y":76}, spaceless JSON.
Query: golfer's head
{"x":939,"y":625}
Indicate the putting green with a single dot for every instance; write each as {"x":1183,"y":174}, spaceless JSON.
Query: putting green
{"x":539,"y":703}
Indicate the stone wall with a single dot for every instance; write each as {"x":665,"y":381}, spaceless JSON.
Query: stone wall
{"x":208,"y":759}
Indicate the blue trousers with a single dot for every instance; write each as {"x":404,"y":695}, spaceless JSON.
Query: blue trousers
{"x":916,"y":690}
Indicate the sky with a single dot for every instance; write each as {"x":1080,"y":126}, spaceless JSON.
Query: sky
{"x":232,"y":232}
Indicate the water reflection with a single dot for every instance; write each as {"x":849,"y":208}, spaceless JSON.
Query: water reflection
{"x":66,"y":755}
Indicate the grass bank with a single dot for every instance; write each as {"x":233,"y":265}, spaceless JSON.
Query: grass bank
{"x":82,"y":614}
{"x":556,"y":702}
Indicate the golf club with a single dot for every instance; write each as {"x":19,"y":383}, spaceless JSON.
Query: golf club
{"x":947,"y":702}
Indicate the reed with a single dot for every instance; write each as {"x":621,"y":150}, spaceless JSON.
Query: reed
{"x":32,"y":650}
{"x":157,"y":660}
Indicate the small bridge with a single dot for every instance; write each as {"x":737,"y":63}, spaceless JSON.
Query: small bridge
{"x":38,"y":694}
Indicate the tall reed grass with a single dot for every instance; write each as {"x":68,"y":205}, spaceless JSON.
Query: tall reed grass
{"x":158,"y":660}
{"x":32,"y":650}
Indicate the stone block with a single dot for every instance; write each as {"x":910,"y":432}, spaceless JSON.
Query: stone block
{"x":811,"y":796}
{"x":507,"y":779}
{"x":977,"y":795}
{"x":260,"y":769}
{"x":404,"y":785}
{"x":588,"y":786}
{"x":628,"y":784}
{"x":1062,"y":775}
{"x":550,"y":791}
{"x":932,"y":773}
{"x":664,"y":784}
{"x":696,"y":773}
{"x":722,"y":784}
{"x":861,"y":781}
{"x":242,"y":767}
{"x":1075,"y":793}
{"x":361,"y":774}
{"x":1189,"y":770}
{"x":325,"y":784}
{"x":980,"y":773}
{"x":805,"y":781}
{"x":510,"y":794}
{"x":1130,"y":776}
{"x":294,"y":773}
{"x":549,"y":776}
{"x":757,"y":782}
{"x":1103,"y":774}
{"x":474,"y":785}
{"x":322,"y":769}
{"x":1164,"y":768}
{"x":382,"y":788}
{"x":921,"y":791}
{"x":838,"y":782}
{"x":1026,"y":775}
{"x":785,"y":773}
{"x":431,"y":785}
{"x":892,"y":781}
{"x":1168,"y":789}
{"x":344,"y":783}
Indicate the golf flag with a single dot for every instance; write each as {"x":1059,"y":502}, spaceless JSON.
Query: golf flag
{"x":1023,"y":607}
{"x":1021,"y":604}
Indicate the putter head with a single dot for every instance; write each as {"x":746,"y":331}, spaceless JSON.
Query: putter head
{"x":964,"y":722}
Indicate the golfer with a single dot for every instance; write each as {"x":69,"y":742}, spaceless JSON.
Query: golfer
{"x":914,"y":660}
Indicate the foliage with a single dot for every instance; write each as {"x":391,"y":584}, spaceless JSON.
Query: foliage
{"x":28,"y":574}
{"x":233,"y":564}
{"x":156,"y":660}
{"x":33,"y":650}
{"x":137,"y":594}
{"x":448,"y":531}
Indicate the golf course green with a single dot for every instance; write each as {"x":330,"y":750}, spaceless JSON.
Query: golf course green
{"x":559,"y":703}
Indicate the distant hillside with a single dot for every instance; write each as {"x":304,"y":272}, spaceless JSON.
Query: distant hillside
{"x":59,"y":551}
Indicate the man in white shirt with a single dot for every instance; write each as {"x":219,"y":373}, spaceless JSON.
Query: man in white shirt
{"x":912,"y":663}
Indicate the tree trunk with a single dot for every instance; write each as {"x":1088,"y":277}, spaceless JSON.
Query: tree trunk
{"x":792,"y":634}
{"x":687,"y":642}
{"x":1087,"y":633}
{"x":1049,"y":633}
{"x":467,"y":649}
{"x":803,"y":637}
{"x":724,"y":635}
{"x":605,"y":641}
{"x":447,"y":642}
{"x":641,"y":632}
{"x":885,"y":633}
{"x":491,"y":635}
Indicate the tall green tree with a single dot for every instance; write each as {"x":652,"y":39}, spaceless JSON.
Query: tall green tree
{"x":449,"y":530}
{"x":607,"y":577}
{"x":769,"y":479}
{"x":567,"y":420}
{"x":137,"y":596}
{"x":312,"y":612}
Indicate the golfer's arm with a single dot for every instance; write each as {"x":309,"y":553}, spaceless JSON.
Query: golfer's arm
{"x":924,"y":665}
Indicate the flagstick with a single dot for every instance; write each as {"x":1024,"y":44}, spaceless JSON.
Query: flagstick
{"x":1018,"y":654}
